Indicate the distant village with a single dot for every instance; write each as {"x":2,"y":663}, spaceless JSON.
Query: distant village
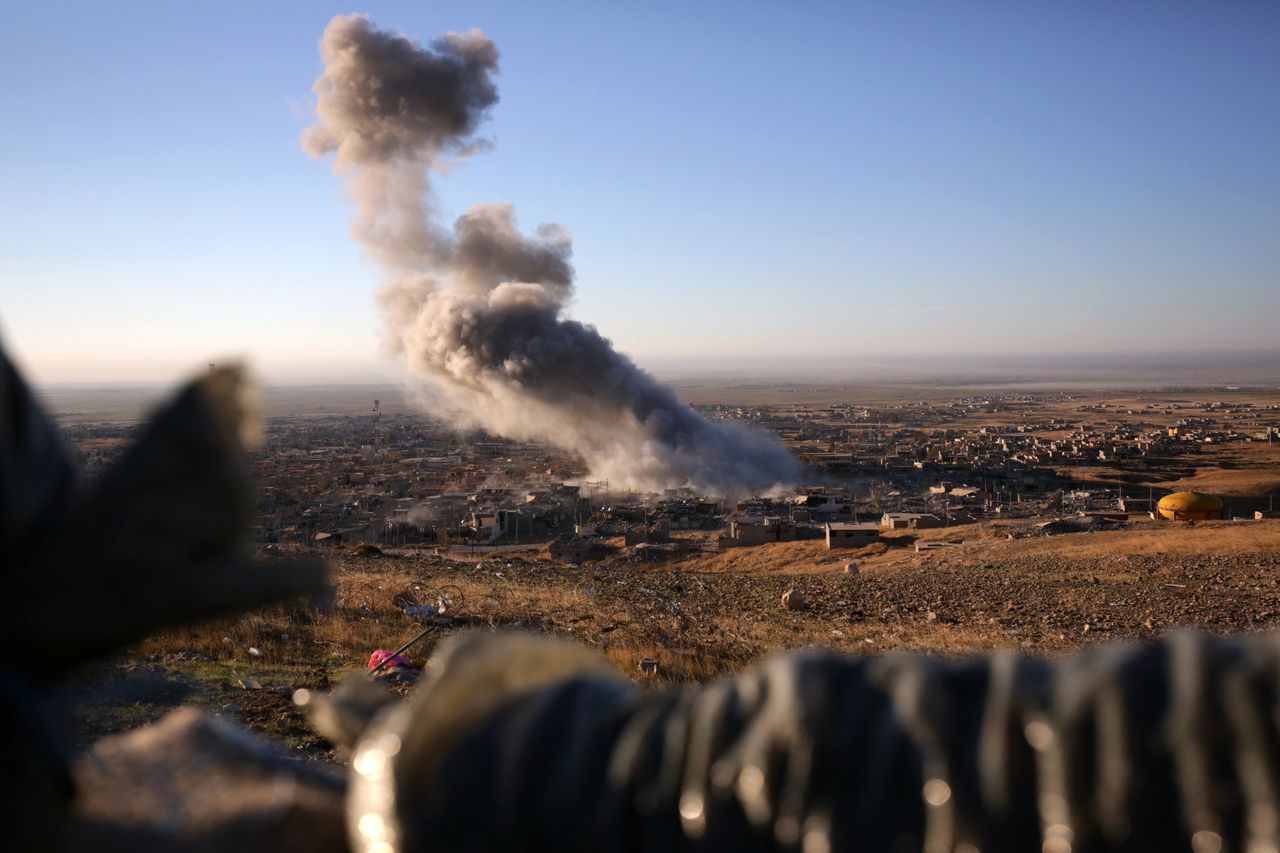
{"x":409,"y":481}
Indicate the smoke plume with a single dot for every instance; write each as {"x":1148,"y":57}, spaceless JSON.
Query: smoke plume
{"x":479,"y":308}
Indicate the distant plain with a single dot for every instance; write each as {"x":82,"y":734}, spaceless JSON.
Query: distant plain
{"x":1254,"y":378}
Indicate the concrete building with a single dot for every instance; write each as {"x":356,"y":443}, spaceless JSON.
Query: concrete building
{"x":747,"y":531}
{"x":845,"y":535}
{"x":909,"y":521}
{"x":647,"y":534}
{"x":571,"y":548}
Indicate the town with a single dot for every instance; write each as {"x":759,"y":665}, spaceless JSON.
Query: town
{"x":1043,"y":463}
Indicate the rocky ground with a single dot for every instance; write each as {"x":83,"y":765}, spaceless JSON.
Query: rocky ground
{"x":694,"y":616}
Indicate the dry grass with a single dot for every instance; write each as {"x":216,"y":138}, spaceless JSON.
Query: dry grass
{"x":718,"y":612}
{"x":1240,"y":482}
{"x":1217,"y":538}
{"x":300,"y":642}
{"x":629,"y":625}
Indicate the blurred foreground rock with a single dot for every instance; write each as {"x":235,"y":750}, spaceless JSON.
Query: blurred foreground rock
{"x":194,"y":782}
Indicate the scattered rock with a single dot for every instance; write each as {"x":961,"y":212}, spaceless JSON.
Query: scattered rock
{"x":793,"y":599}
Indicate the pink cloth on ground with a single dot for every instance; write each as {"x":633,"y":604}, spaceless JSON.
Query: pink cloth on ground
{"x":382,"y":654}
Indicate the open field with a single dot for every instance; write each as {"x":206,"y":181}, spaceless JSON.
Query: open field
{"x":716,"y":612}
{"x":1131,"y":394}
{"x":989,"y":541}
{"x":1249,"y":482}
{"x":131,"y":402}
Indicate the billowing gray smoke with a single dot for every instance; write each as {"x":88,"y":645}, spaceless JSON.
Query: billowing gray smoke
{"x":478,"y":309}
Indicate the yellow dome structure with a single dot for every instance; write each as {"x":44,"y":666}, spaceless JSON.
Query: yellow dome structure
{"x":1189,"y":506}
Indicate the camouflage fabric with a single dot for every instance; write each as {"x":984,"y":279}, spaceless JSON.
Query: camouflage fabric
{"x":523,"y":744}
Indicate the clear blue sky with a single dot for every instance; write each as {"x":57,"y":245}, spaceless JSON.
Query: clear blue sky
{"x":742,"y":179}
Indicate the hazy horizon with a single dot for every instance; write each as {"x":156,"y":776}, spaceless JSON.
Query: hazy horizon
{"x":1131,"y":370}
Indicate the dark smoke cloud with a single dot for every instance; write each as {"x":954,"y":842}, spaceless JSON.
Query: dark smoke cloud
{"x":478,"y":309}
